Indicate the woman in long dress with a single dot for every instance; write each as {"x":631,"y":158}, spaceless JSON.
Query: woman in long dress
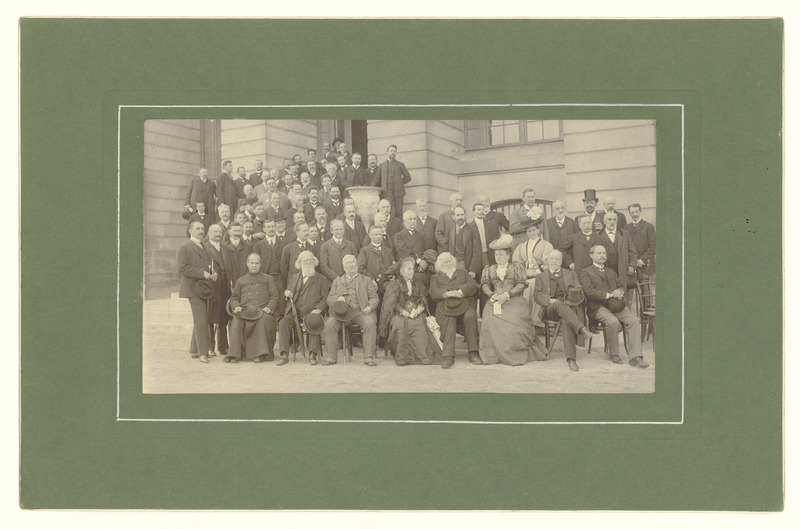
{"x":507,"y":332}
{"x":531,"y":254}
{"x":403,"y":314}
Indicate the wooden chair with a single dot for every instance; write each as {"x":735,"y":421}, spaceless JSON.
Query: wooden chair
{"x":595,"y":326}
{"x":294,"y":342}
{"x":646,"y":300}
{"x":553,"y":328}
{"x":349,"y":331}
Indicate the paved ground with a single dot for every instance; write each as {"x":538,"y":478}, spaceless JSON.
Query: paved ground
{"x":167,"y":368}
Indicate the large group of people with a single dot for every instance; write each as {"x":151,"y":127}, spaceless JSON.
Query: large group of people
{"x":281,"y":260}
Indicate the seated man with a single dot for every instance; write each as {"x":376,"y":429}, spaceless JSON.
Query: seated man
{"x":358,"y":295}
{"x":454,"y":291}
{"x":254,"y":299}
{"x":606,"y":292}
{"x":559,"y":292}
{"x":308,"y":291}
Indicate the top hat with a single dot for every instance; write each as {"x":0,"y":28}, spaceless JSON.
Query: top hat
{"x":574,"y":296}
{"x":615,"y":304}
{"x":528,"y":222}
{"x":314,"y":323}
{"x":251,"y":313}
{"x":203,"y":288}
{"x":342,"y":311}
{"x":504,"y":242}
{"x":589,"y":194}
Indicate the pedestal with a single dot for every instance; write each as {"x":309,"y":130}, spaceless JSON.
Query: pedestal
{"x":366,"y":199}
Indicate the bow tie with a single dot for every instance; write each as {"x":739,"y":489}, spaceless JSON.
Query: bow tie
{"x":555,"y":274}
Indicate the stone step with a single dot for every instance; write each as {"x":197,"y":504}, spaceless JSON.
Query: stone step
{"x":183,"y":329}
{"x":167,"y":316}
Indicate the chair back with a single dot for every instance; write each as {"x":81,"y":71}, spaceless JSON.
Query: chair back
{"x":646,"y":297}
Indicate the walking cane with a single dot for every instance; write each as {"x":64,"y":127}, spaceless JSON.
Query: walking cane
{"x":299,"y":330}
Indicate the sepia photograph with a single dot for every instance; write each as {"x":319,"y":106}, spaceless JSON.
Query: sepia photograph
{"x":389,"y":256}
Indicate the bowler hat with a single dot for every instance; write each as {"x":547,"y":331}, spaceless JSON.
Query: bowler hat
{"x":453,"y":307}
{"x":615,"y":304}
{"x":589,"y":194}
{"x":186,"y":214}
{"x":429,"y":256}
{"x":342,"y":311}
{"x":574,"y":296}
{"x":251,"y":313}
{"x":203,"y":288}
{"x":314,"y":323}
{"x":528,"y":222}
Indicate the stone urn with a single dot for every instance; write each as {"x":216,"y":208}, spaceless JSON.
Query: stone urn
{"x":366,"y":199}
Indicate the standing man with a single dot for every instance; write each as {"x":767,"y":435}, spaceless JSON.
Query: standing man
{"x":605,"y":292}
{"x":386,"y":240}
{"x":270,"y":250}
{"x":334,"y":205}
{"x":354,"y":230}
{"x":224,"y":214}
{"x":560,"y":228}
{"x":332,"y":251}
{"x":332,"y":173}
{"x":464,"y":243}
{"x":322,"y":226}
{"x":392,"y":179}
{"x":393,"y":224}
{"x":235,"y":251}
{"x":643,"y":236}
{"x":373,"y":171}
{"x":582,"y":241}
{"x":408,"y":241}
{"x":620,"y":253}
{"x":426,"y":225}
{"x":201,"y":189}
{"x":589,"y":205}
{"x":489,"y":229}
{"x":454,"y":292}
{"x":445,"y":223}
{"x":559,"y":292}
{"x":356,"y":174}
{"x":194,"y":265}
{"x":292,"y":251}
{"x":218,"y":317}
{"x":226,"y":190}
{"x":359,"y":295}
{"x":529,"y":210}
{"x":239,"y":182}
{"x":375,"y":258}
{"x":494,"y":218}
{"x":608,"y":204}
{"x":258,"y":176}
{"x":201,"y":216}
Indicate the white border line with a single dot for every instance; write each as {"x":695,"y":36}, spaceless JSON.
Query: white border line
{"x":412,"y":421}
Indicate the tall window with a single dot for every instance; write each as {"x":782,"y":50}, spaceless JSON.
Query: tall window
{"x":483,"y":134}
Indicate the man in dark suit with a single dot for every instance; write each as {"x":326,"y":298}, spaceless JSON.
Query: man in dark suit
{"x":454,"y":292}
{"x":375,"y":258}
{"x":257,"y":178}
{"x":643,"y":236}
{"x":292,"y":251}
{"x":201,"y":189}
{"x":445,"y":223}
{"x":392,"y":179}
{"x":356,"y":174}
{"x":393,"y":223}
{"x":496,"y":222}
{"x":489,"y":229}
{"x":336,"y":175}
{"x":582,"y":241}
{"x":550,"y":291}
{"x":308,"y":291}
{"x":239,"y":181}
{"x":464,"y":243}
{"x":354,"y":230}
{"x":332,"y":251}
{"x":380,"y":221}
{"x":608,"y":204}
{"x":194,"y":264}
{"x":620,"y":253}
{"x":270,"y":250}
{"x":408,"y":242}
{"x":605,"y":292}
{"x":560,"y":229}
{"x":201,"y":216}
{"x":226,"y":190}
{"x":334,"y":205}
{"x":322,"y":225}
{"x":235,"y":251}
{"x":426,"y":225}
{"x":224,"y":216}
{"x":589,"y":208}
{"x":373,"y":170}
{"x":218,"y":316}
